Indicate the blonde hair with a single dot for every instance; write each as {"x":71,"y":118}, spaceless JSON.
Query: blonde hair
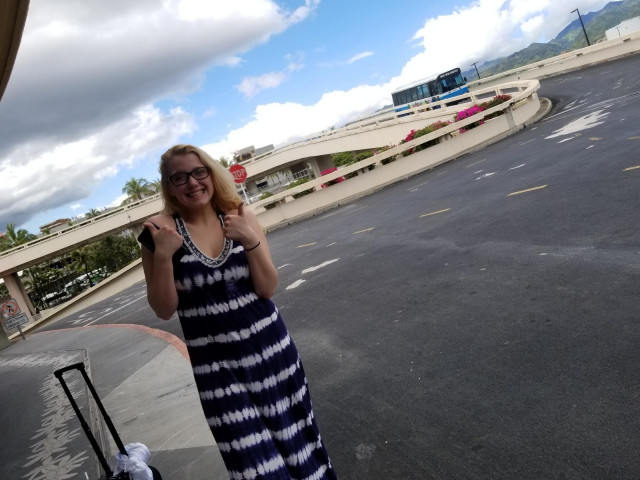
{"x":225,"y":197}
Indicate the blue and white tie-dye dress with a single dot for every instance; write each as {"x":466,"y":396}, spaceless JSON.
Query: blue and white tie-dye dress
{"x":252,"y":386}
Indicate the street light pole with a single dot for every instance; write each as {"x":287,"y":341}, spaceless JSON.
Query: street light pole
{"x":477,"y":73}
{"x":581,"y":23}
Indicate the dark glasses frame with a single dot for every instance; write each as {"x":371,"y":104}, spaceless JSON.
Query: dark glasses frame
{"x":181,"y":178}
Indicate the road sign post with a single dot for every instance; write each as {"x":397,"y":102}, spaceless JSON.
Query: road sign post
{"x":12,"y":316}
{"x":15,"y":322}
{"x":239,"y":174}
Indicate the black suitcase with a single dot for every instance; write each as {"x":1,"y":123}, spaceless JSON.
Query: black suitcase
{"x":108,"y":473}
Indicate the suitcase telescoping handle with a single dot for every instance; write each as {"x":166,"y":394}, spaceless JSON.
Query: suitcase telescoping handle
{"x":103,"y":461}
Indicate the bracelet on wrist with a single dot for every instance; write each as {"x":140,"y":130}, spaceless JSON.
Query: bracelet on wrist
{"x":252,"y":248}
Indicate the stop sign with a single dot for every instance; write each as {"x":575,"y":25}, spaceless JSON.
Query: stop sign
{"x":239,"y":173}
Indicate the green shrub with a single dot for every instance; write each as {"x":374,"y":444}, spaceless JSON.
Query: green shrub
{"x":267,"y":195}
{"x":342,"y":159}
{"x":364,"y":155}
{"x":300,"y":182}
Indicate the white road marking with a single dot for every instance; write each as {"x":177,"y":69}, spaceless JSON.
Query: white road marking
{"x":590,"y":146}
{"x":113,"y":311}
{"x":528,"y":141}
{"x":331,"y":244}
{"x":479,"y":171}
{"x":356,"y":210}
{"x":566,"y":139}
{"x":486,"y":175}
{"x":587,"y":121}
{"x":285,"y":265}
{"x":513,"y":168}
{"x":324,"y":264}
{"x":295,"y":284}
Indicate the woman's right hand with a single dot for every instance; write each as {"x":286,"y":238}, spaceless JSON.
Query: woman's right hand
{"x":167,"y":241}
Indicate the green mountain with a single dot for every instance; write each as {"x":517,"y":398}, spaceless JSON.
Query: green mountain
{"x":570,"y":38}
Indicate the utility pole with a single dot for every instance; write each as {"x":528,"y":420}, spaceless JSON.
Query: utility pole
{"x":582,"y":23}
{"x":477,"y":73}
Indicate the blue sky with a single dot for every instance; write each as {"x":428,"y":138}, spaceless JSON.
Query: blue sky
{"x":100,"y":89}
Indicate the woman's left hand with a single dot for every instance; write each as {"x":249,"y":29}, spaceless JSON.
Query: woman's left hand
{"x":237,"y":227}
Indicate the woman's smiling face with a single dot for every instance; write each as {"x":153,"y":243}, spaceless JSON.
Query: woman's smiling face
{"x":194,"y":194}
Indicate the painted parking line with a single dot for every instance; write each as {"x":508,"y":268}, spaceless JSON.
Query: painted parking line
{"x":475,"y":163}
{"x":322,"y":265}
{"x":114,"y":311}
{"x":307,"y":245}
{"x":356,"y":210}
{"x":527,"y":190}
{"x":631,"y":168}
{"x":295,"y":284}
{"x":415,"y":187}
{"x":365,"y":230}
{"x":434,"y":213}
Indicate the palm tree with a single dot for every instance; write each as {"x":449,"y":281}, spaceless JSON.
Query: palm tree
{"x":156,"y":185}
{"x":136,"y":189}
{"x":13,"y":237}
{"x":224,"y":162}
{"x":94,"y":212}
{"x":82,"y":257}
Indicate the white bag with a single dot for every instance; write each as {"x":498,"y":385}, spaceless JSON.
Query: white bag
{"x":135,"y":464}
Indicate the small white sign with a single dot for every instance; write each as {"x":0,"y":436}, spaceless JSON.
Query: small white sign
{"x":12,"y":322}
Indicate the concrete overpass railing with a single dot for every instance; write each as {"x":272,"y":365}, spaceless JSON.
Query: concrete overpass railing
{"x":282,"y":208}
{"x":77,"y":235}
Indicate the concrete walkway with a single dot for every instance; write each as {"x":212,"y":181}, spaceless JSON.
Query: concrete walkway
{"x":144,"y":379}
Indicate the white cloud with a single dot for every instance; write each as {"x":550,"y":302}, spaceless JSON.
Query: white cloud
{"x":484,"y":30}
{"x":52,"y":177}
{"x":533,"y":24}
{"x":278,"y":123}
{"x":79,"y":104}
{"x":75,"y":206}
{"x":118,"y":201}
{"x":251,"y":86}
{"x":359,"y":56}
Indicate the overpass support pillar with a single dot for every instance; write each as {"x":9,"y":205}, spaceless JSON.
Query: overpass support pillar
{"x":17,"y":291}
{"x":510,"y":120}
{"x":4,"y":339}
{"x":315,"y":169}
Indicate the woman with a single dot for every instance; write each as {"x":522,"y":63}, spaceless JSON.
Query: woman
{"x":211,"y":263}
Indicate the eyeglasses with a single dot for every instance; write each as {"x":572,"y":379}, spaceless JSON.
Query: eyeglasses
{"x":181,"y":178}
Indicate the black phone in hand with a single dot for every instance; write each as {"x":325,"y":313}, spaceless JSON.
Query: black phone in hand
{"x":146,"y":239}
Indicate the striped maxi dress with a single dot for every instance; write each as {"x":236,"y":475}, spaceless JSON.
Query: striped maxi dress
{"x":252,"y":387}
